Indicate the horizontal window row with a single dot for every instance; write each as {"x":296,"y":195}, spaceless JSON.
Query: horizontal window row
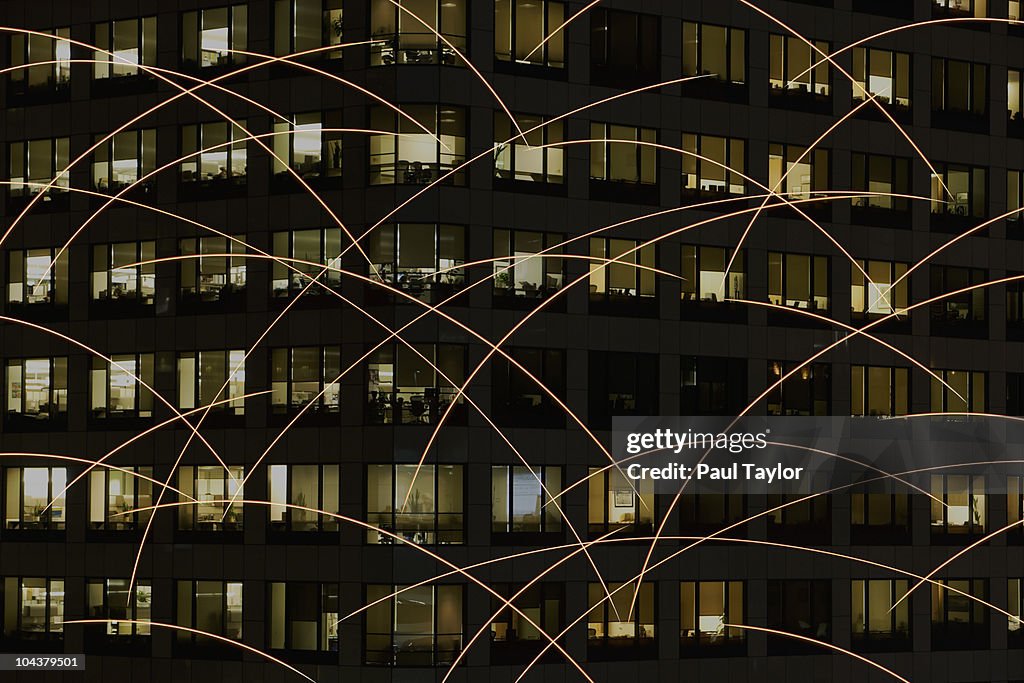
{"x":425,"y":625}
{"x":426,"y":505}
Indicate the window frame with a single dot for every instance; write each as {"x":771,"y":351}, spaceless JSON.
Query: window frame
{"x":542,"y":135}
{"x":892,"y":638}
{"x":326,"y":497}
{"x":778,"y":285}
{"x":391,"y":655}
{"x":230,"y":398}
{"x":976,"y":523}
{"x":693,"y":58}
{"x":330,"y":27}
{"x":899,"y":401}
{"x":56,"y":273}
{"x":140,"y":478}
{"x":56,"y":390}
{"x":145,"y":250}
{"x":104,"y":161}
{"x":328,"y":380}
{"x":435,"y":533}
{"x":603,"y":151}
{"x":137,"y":624}
{"x":188,"y":638}
{"x":53,"y":519}
{"x":189,"y":478}
{"x":143,"y":400}
{"x":600,"y":494}
{"x":553,"y":17}
{"x":54,"y":610}
{"x":192,"y":289}
{"x":392,"y":407}
{"x":734,"y":640}
{"x":328,"y":638}
{"x":388,"y":146}
{"x":192,"y":23}
{"x":864,"y":58}
{"x":805,"y":381}
{"x":20,"y":151}
{"x":107,"y":66}
{"x":549,"y":479}
{"x":696,"y":170}
{"x":781,"y":48}
{"x":507,"y":259}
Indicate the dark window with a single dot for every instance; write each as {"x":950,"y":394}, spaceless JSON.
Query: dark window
{"x":878,"y":514}
{"x":626,"y":161}
{"x":422,"y":144}
{"x":884,"y":74}
{"x":710,"y":512}
{"x":119,"y":388}
{"x":880,"y":177}
{"x":876,"y":624}
{"x":616,"y":631}
{"x":127,"y":611}
{"x":216,"y":154}
{"x":308,"y":255}
{"x":713,"y":165}
{"x":520,"y":273}
{"x":879,"y":391}
{"x":1014,"y":195}
{"x":705,"y":607}
{"x":617,"y":503}
{"x":33,"y":609}
{"x":625,"y":48}
{"x":969,"y":388}
{"x":413,"y":625}
{"x":801,"y":607}
{"x":518,"y":397}
{"x":807,"y":392}
{"x":1015,"y":394}
{"x":124,"y":160}
{"x":422,"y":259}
{"x":799,"y":281}
{"x":315,"y":487}
{"x":211,"y":606}
{"x":419,"y":504}
{"x":214,"y":36}
{"x":416,"y":385}
{"x":958,"y":621}
{"x":406,"y":31}
{"x":302,"y":25}
{"x":213,"y":488}
{"x":622,"y":384}
{"x":303,"y":375}
{"x":712,"y":386}
{"x":303,"y":616}
{"x":963,"y":314}
{"x":524,"y":32}
{"x":215,"y":276}
{"x":959,"y":506}
{"x":538,"y":158}
{"x":522,"y":500}
{"x":799,"y":516}
{"x":116,"y":496}
{"x":129,"y":42}
{"x":34,"y":165}
{"x":35,"y":498}
{"x":515,"y":640}
{"x":959,"y":94}
{"x":37,"y":393}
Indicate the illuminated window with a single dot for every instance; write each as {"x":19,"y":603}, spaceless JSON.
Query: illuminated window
{"x":301,"y":25}
{"x":959,"y":87}
{"x":958,"y":621}
{"x":517,"y":396}
{"x":33,"y":609}
{"x":35,"y":498}
{"x":305,"y":486}
{"x":959,"y":191}
{"x":712,"y":385}
{"x":705,"y":607}
{"x":130,"y":42}
{"x":1015,"y":602}
{"x":1014,"y":96}
{"x":211,"y":606}
{"x":625,"y":47}
{"x":626,"y":161}
{"x":534,"y":160}
{"x":1014,"y":10}
{"x":879,"y":514}
{"x":612,"y":633}
{"x":111,"y":599}
{"x":212,"y":487}
{"x":115,"y":279}
{"x":621,"y":268}
{"x":116,"y":494}
{"x":797,"y":172}
{"x":421,"y":505}
{"x":878,"y":297}
{"x":214,"y":36}
{"x":882,"y":73}
{"x":880,"y":177}
{"x":519,"y":272}
{"x":116,"y":389}
{"x":802,"y":607}
{"x":422,"y":144}
{"x":416,"y":385}
{"x":303,"y":616}
{"x":958,"y":504}
{"x":807,"y":392}
{"x":303,"y":146}
{"x":1014,"y":193}
{"x":309,"y":254}
{"x":418,"y":258}
{"x":874,"y":621}
{"x":879,"y":391}
{"x":418,"y":31}
{"x":35,"y":163}
{"x":304,"y":374}
{"x":797,"y":66}
{"x":615,"y":502}
{"x":123,"y":160}
{"x":960,"y":8}
{"x":969,"y":387}
{"x":798,"y":281}
{"x":413,"y":625}
{"x":35,"y":279}
{"x":37,"y":389}
{"x":215,"y":153}
{"x":215,"y":275}
{"x":51,"y":56}
{"x":704,"y":277}
{"x":718,"y":52}
{"x":208,"y":377}
{"x":521,"y":499}
{"x":520,"y":28}
{"x":713,"y":165}
{"x":516,"y":640}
